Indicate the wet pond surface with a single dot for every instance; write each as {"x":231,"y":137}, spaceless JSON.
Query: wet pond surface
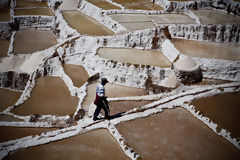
{"x":111,"y":91}
{"x":98,"y":144}
{"x":34,"y":12}
{"x":123,"y":106}
{"x":87,"y":26}
{"x":43,"y":39}
{"x":8,"y":118}
{"x":27,"y":3}
{"x":12,"y":133}
{"x":49,"y":96}
{"x":103,"y":4}
{"x":5,"y":14}
{"x":175,"y":134}
{"x":207,"y":81}
{"x":172,"y":19}
{"x":139,"y":4}
{"x":145,"y":57}
{"x":78,"y":74}
{"x":4,"y":48}
{"x":8,"y":98}
{"x":223,"y":110}
{"x":227,"y":51}
{"x":215,"y":17}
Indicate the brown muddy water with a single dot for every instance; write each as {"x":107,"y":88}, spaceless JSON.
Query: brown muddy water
{"x":103,"y":4}
{"x":34,"y":12}
{"x":49,"y":96}
{"x":139,"y":4}
{"x":27,"y":3}
{"x":97,"y":144}
{"x":175,"y":134}
{"x":43,"y":39}
{"x":12,"y":133}
{"x":8,"y":118}
{"x":207,"y":81}
{"x":5,"y":14}
{"x":216,"y":17}
{"x":227,"y":51}
{"x":172,"y":19}
{"x":126,"y":55}
{"x":111,"y":91}
{"x":4,"y":48}
{"x":78,"y":74}
{"x":223,"y":110}
{"x":84,"y":24}
{"x":8,"y":98}
{"x":123,"y":106}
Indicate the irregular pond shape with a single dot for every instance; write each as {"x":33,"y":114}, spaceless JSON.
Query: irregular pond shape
{"x":8,"y":98}
{"x":49,"y":96}
{"x":128,"y":55}
{"x":215,"y":17}
{"x":227,"y":51}
{"x":223,"y":110}
{"x":98,"y":144}
{"x":175,"y":134}
{"x":43,"y":39}
{"x":4,"y":47}
{"x":103,"y":4}
{"x":78,"y":74}
{"x":84,"y":24}
{"x":34,"y":12}
{"x":12,"y":133}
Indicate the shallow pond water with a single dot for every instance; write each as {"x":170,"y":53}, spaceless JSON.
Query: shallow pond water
{"x":127,"y":55}
{"x":139,"y":4}
{"x":98,"y":144}
{"x":5,"y":14}
{"x":222,"y":109}
{"x":103,"y":4}
{"x":175,"y":134}
{"x":49,"y":96}
{"x":84,"y":24}
{"x":78,"y":74}
{"x":4,"y":48}
{"x":227,"y":51}
{"x":8,"y":98}
{"x":43,"y":39}
{"x":172,"y":19}
{"x":34,"y":12}
{"x":27,"y":4}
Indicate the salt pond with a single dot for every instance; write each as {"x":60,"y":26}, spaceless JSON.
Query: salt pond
{"x":34,"y":12}
{"x":98,"y":144}
{"x":175,"y":134}
{"x":84,"y":24}
{"x":103,"y":4}
{"x":49,"y":96}
{"x":5,"y":14}
{"x":137,"y":4}
{"x":127,"y":55}
{"x":8,"y":98}
{"x":4,"y":47}
{"x":227,"y":51}
{"x":27,"y":4}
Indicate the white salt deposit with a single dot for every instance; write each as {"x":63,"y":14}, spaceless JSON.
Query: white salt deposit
{"x":185,"y":63}
{"x":171,"y":81}
{"x":69,"y":5}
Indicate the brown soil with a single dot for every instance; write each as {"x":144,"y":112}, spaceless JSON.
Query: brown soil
{"x":8,"y":118}
{"x":98,"y":144}
{"x":4,"y":47}
{"x":123,"y":106}
{"x":8,"y":98}
{"x":12,"y":133}
{"x":175,"y":134}
{"x":49,"y":96}
{"x":111,"y":91}
{"x":88,"y":25}
{"x":222,"y":109}
{"x":103,"y":4}
{"x":34,"y":11}
{"x":78,"y":74}
{"x":5,"y":14}
{"x":145,"y":57}
{"x":227,"y":51}
{"x":43,"y":39}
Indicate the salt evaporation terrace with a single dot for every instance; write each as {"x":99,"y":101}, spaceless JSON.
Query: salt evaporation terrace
{"x":173,"y":68}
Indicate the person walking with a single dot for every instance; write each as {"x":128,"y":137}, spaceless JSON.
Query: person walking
{"x":101,"y":101}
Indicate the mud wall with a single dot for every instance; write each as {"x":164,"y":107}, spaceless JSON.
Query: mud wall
{"x":34,"y":21}
{"x":212,"y":33}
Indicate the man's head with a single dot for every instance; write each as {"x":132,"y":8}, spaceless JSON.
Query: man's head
{"x":104,"y":81}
